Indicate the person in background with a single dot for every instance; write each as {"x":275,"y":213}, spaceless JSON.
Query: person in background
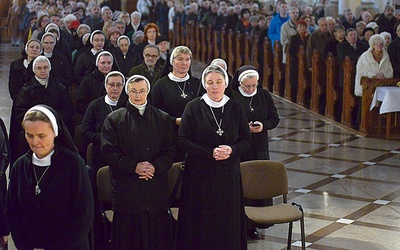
{"x":4,"y":161}
{"x":125,"y":56}
{"x":214,"y":132}
{"x":13,"y":23}
{"x":394,"y":53}
{"x":138,"y":172}
{"x":274,"y":31}
{"x":37,"y":216}
{"x":172,"y":92}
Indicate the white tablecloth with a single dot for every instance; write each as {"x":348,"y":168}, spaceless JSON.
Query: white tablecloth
{"x":390,"y":98}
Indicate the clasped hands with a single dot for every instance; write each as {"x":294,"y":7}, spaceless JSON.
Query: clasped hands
{"x":145,"y":170}
{"x":222,"y":152}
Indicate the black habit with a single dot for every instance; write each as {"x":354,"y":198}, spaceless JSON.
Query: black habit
{"x":211,"y":212}
{"x":128,"y":138}
{"x":61,"y":216}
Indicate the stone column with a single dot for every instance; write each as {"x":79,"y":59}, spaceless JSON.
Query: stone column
{"x":368,"y":5}
{"x":343,"y":4}
{"x":381,"y":5}
{"x":332,"y":8}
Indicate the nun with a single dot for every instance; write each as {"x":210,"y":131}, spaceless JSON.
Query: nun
{"x":214,"y":133}
{"x":49,"y":200}
{"x":172,"y":92}
{"x":139,"y":144}
{"x":83,"y":63}
{"x":43,"y":89}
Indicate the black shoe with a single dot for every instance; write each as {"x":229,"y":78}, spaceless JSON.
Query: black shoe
{"x":253,"y":234}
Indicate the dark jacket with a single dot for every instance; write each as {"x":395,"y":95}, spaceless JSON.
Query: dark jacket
{"x":154,"y":142}
{"x":61,"y":216}
{"x":394,"y":53}
{"x":128,"y":61}
{"x":91,"y":88}
{"x":82,"y":65}
{"x":15,"y":82}
{"x":143,"y":70}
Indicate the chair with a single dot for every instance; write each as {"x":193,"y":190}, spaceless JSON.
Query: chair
{"x":104,"y":197}
{"x":173,"y":176}
{"x":264,"y":179}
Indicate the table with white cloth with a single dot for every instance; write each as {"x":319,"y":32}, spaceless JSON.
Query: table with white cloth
{"x":390,"y":102}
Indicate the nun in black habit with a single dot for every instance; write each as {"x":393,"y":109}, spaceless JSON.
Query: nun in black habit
{"x":139,"y":144}
{"x":172,"y":92}
{"x":49,"y":200}
{"x":260,"y":110}
{"x":214,"y":133}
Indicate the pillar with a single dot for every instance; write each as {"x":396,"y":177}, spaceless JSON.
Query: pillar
{"x":368,"y":5}
{"x":343,"y":4}
{"x":332,"y":8}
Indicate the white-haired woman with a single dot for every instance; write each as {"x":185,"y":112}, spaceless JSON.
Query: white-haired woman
{"x":49,"y":200}
{"x":373,"y":63}
{"x":138,"y":170}
{"x":214,"y":132}
{"x":172,"y":92}
{"x":388,"y":38}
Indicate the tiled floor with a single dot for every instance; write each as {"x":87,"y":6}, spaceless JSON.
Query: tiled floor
{"x":348,"y":185}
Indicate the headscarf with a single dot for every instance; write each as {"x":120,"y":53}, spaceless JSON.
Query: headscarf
{"x":63,"y":137}
{"x":94,"y":33}
{"x":135,"y":77}
{"x":123,"y":37}
{"x":103,"y":53}
{"x":40,"y":58}
{"x":246,"y":69}
{"x":33,"y":40}
{"x":205,"y":97}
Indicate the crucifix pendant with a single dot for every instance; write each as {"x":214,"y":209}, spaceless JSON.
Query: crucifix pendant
{"x":220,"y":132}
{"x":251,"y":109}
{"x":37,"y":189}
{"x":184,"y":95}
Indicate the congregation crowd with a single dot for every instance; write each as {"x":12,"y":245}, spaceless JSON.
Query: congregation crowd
{"x":113,"y":75}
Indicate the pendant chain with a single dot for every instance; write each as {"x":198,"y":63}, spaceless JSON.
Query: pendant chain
{"x":37,"y":188}
{"x":219,"y":131}
{"x":184,"y":95}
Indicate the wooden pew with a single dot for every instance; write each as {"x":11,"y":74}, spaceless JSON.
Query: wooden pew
{"x":231,"y":57}
{"x":350,"y":101}
{"x":303,"y":83}
{"x":318,"y":85}
{"x":238,"y":50}
{"x":193,"y":38}
{"x":268,"y":65}
{"x":288,"y":86}
{"x":198,"y":41}
{"x":370,"y":119}
{"x":188,"y":34}
{"x":247,"y":49}
{"x":177,"y":36}
{"x":278,"y":72}
{"x":255,"y":52}
{"x":203,"y":47}
{"x":216,"y":53}
{"x":224,"y":45}
{"x":332,"y":85}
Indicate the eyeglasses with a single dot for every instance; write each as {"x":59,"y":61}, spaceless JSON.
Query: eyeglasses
{"x":249,"y":86}
{"x":150,"y":56}
{"x":379,"y":44}
{"x":134,"y":92}
{"x":112,"y":85}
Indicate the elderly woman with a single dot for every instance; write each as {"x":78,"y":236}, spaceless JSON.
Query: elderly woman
{"x":49,"y":201}
{"x":92,"y":86}
{"x":91,"y":127}
{"x":373,"y":63}
{"x":61,"y":68}
{"x":172,"y":92}
{"x":214,"y":133}
{"x":43,"y":88}
{"x":85,"y":60}
{"x":125,"y":56}
{"x":138,"y":170}
{"x":388,"y":38}
{"x":33,"y":48}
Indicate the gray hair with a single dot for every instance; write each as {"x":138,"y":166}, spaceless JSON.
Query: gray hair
{"x":376,"y":39}
{"x":40,"y":59}
{"x":84,"y":26}
{"x":136,"y":13}
{"x":214,"y":69}
{"x":180,"y":50}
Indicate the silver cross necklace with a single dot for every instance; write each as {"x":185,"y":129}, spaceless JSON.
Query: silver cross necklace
{"x":183,"y":94}
{"x":37,"y":188}
{"x":219,"y":130}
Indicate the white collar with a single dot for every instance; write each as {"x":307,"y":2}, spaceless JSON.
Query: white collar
{"x":174,"y":78}
{"x":141,"y":108}
{"x":43,"y":162}
{"x":245,"y":94}
{"x":214,"y":104}
{"x":110,"y":102}
{"x":48,"y":55}
{"x":94,"y":52}
{"x":26,"y":63}
{"x":44,"y":82}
